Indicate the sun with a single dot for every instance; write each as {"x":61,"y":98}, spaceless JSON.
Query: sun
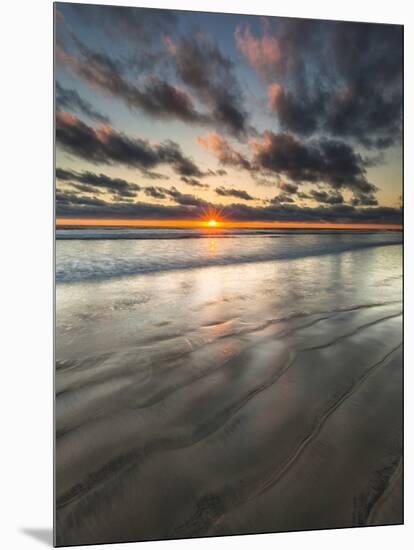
{"x":211,"y":218}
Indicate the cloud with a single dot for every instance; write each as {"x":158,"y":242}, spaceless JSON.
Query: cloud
{"x":106,"y":145}
{"x":175,"y":195}
{"x":91,"y":182}
{"x":70,"y":205}
{"x":282,"y":198}
{"x":140,"y":25}
{"x":337,"y":78}
{"x":364,"y":200}
{"x":162,"y":99}
{"x":121,"y":189}
{"x":290,"y":188}
{"x":221,"y":148}
{"x":87,"y":188}
{"x":201,"y":66}
{"x":265,"y":178}
{"x":319,"y":161}
{"x":296,"y":113}
{"x":335,"y":214}
{"x":155,"y":192}
{"x":263,"y":53}
{"x":323,"y":160}
{"x":231,"y":192}
{"x":369,"y":106}
{"x":154,"y":175}
{"x":71,"y":100}
{"x":197,"y":62}
{"x":154,"y":96}
{"x":185,"y":199}
{"x":220,"y":172}
{"x":194,"y":183}
{"x":72,"y":199}
{"x":327,"y":198}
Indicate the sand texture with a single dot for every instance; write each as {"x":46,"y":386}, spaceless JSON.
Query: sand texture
{"x":232,"y":399}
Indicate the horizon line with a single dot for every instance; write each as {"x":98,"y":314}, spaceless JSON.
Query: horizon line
{"x":224,"y":224}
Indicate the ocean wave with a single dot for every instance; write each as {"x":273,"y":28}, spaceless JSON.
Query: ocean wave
{"x":172,"y":233}
{"x":80,"y":261}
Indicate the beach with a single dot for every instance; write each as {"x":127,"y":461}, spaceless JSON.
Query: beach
{"x":225,"y":383}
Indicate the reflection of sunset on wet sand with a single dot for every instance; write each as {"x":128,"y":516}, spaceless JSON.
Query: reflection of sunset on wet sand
{"x":242,"y":387}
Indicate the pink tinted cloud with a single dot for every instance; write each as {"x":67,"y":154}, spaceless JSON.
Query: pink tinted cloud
{"x":169,"y":44}
{"x":221,"y":148}
{"x":263,"y":53}
{"x":62,"y":117}
{"x":274,"y":94}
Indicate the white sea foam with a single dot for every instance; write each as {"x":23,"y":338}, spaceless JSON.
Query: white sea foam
{"x":90,"y":254}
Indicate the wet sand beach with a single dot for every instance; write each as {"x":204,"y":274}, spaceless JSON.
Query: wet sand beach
{"x":227,"y":399}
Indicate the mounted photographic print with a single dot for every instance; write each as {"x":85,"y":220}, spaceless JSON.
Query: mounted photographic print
{"x":228,"y":274}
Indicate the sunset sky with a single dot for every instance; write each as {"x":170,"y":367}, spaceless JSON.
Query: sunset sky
{"x":180,"y":116}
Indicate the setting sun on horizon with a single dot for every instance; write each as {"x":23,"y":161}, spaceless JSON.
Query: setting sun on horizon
{"x":213,"y":223}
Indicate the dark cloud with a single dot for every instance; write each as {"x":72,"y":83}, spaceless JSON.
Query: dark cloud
{"x":67,"y":99}
{"x":364,"y":200}
{"x":325,"y":160}
{"x":296,"y":113}
{"x":162,"y":99}
{"x":194,"y":183}
{"x":154,"y":175}
{"x":237,"y":193}
{"x":73,"y":199}
{"x":198,"y":63}
{"x":170,"y":153}
{"x":335,"y":214}
{"x":288,"y":187}
{"x":155,"y":192}
{"x":140,"y":25}
{"x":185,"y":199}
{"x":64,"y":175}
{"x":70,"y":205}
{"x":368,"y":58}
{"x":174,"y":194}
{"x":88,"y":189}
{"x":123,"y":199}
{"x":326,"y":198}
{"x":282,"y":198}
{"x":155,"y":96}
{"x":202,"y":67}
{"x":342,"y":79}
{"x":98,"y":182}
{"x":106,"y":145}
{"x":80,"y":206}
{"x":317,"y":161}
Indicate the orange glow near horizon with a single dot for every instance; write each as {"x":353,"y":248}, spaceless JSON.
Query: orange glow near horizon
{"x":212,"y":223}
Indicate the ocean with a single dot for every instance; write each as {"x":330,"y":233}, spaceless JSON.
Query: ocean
{"x":83,"y":254}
